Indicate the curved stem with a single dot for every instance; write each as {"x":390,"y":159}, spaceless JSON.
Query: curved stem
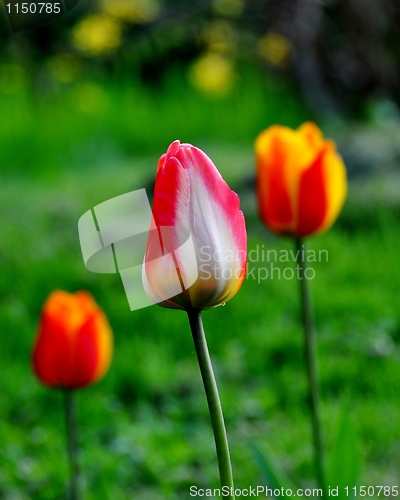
{"x":214,"y":403}
{"x":72,"y":444}
{"x":311,"y":357}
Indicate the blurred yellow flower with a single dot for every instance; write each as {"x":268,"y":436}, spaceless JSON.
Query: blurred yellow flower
{"x":133,"y":11}
{"x":97,"y":34}
{"x":13,"y":78}
{"x":274,"y":48}
{"x":212,"y":74}
{"x":220,"y":37}
{"x":64,"y":67}
{"x":231,"y":8}
{"x":90,"y":98}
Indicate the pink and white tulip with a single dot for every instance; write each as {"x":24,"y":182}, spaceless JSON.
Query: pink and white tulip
{"x":199,"y":222}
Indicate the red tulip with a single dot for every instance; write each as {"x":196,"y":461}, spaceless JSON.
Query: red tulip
{"x":74,"y":344}
{"x":191,"y":199}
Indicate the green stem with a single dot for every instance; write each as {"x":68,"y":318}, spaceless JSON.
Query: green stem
{"x":214,"y":403}
{"x":311,"y":357}
{"x":72,"y":444}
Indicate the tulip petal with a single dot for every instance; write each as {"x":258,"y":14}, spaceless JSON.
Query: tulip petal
{"x":313,"y":135}
{"x":273,"y":195}
{"x":336,"y":185}
{"x":51,"y":355}
{"x":95,"y":347}
{"x":312,"y":199}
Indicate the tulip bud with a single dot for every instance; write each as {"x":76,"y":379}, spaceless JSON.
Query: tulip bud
{"x":74,"y":344}
{"x":191,"y":197}
{"x":301,"y":180}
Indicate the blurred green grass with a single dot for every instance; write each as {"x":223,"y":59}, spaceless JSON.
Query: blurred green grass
{"x":96,"y":121}
{"x":145,"y":429}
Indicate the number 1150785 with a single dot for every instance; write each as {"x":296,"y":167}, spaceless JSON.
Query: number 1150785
{"x":34,"y":8}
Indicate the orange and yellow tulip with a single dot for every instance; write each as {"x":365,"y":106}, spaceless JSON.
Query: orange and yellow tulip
{"x":74,"y":344}
{"x":301,"y":180}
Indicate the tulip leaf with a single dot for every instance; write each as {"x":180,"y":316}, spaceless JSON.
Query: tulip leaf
{"x":271,"y":474}
{"x":344,"y":462}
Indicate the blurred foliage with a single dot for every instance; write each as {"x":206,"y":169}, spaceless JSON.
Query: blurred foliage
{"x":97,"y":34}
{"x":344,"y":462}
{"x":110,"y":119}
{"x":339,"y":53}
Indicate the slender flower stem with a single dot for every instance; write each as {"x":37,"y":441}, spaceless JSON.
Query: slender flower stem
{"x":214,"y":403}
{"x":311,"y":357}
{"x":72,"y":444}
